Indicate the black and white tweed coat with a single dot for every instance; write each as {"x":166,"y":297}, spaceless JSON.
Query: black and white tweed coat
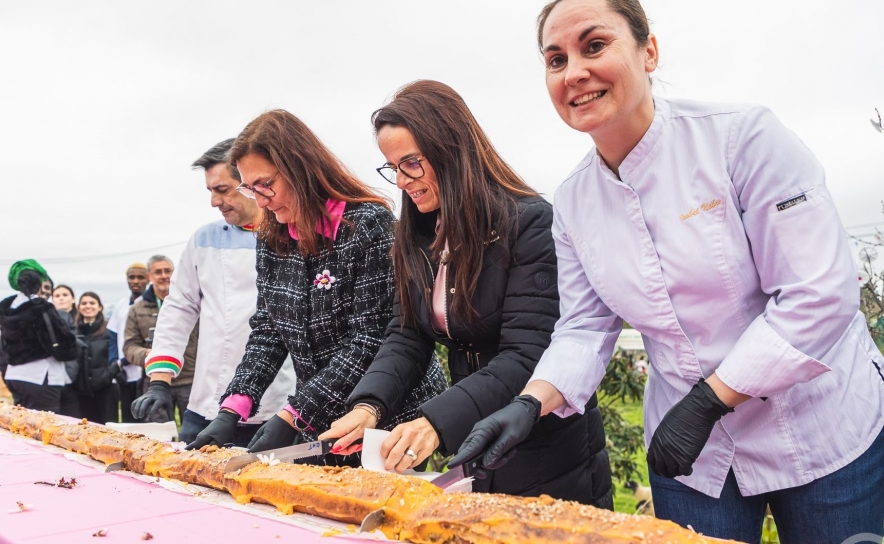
{"x":331,"y":334}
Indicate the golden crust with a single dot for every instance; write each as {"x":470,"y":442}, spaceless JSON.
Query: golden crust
{"x":480,"y":518}
{"x":415,"y":510}
{"x":319,"y":490}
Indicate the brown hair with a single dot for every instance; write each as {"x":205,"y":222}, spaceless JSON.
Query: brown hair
{"x":102,"y":324}
{"x":309,"y":169}
{"x":631,"y":10}
{"x":477,"y":189}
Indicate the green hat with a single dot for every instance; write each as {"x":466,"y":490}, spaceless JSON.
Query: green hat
{"x":27,"y":264}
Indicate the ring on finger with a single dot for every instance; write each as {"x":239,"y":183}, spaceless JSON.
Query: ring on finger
{"x":410,"y":452}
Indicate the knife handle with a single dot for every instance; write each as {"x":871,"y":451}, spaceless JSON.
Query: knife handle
{"x":327,"y":444}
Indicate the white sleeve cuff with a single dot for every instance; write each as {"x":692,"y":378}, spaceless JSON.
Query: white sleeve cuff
{"x":575,"y":370}
{"x":762,"y":363}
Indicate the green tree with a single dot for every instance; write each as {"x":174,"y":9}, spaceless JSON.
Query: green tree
{"x":872,"y":285}
{"x":622,"y":383}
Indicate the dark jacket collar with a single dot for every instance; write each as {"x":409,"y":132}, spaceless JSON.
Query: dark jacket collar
{"x":88,"y":329}
{"x":425,"y":229}
{"x":149,"y":295}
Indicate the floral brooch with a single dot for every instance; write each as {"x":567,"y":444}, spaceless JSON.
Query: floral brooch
{"x":324,"y":280}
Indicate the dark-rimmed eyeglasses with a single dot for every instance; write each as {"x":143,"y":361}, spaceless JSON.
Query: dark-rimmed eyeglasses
{"x":411,"y":167}
{"x":262,"y":188}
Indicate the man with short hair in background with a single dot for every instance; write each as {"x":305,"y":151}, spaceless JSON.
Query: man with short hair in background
{"x":136,"y":277}
{"x":215,"y":284}
{"x":140,"y":326}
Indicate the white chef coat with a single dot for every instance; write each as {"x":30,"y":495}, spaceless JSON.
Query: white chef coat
{"x":721,"y":245}
{"x":117,"y":325}
{"x":214,"y":283}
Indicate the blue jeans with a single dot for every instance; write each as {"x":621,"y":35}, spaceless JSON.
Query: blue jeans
{"x":830,"y":510}
{"x":193,"y":424}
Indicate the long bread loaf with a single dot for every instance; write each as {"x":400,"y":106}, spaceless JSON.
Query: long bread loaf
{"x":415,"y":510}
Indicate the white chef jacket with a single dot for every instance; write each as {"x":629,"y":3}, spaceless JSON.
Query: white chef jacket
{"x":721,"y":245}
{"x":214,"y":283}
{"x":117,"y":325}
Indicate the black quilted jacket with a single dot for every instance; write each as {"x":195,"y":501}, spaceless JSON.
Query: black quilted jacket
{"x":331,"y":334}
{"x":491,"y":361}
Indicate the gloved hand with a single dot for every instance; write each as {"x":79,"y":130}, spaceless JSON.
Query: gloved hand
{"x":158,"y":397}
{"x":276,"y":433}
{"x":683,"y":433}
{"x":497,"y":435}
{"x":117,"y":372}
{"x":222,"y":430}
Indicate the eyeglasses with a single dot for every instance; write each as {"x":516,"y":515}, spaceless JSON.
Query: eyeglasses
{"x":411,"y":167}
{"x":262,"y":189}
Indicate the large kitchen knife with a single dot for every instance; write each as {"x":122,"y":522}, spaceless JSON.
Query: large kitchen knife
{"x":452,"y":476}
{"x":289,"y":453}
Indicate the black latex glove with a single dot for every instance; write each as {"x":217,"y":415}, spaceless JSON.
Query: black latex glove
{"x":156,"y":401}
{"x":221,"y":430}
{"x":495,"y":437}
{"x":683,"y":433}
{"x":276,"y":433}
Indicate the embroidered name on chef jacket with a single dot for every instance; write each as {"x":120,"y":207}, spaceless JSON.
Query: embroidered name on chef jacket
{"x":794,"y":201}
{"x":705,"y":207}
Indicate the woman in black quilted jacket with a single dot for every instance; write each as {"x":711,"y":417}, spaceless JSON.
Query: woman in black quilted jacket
{"x":325,"y":287}
{"x":475,"y":271}
{"x":97,"y":393}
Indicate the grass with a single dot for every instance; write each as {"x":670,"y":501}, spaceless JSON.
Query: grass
{"x":623,"y":499}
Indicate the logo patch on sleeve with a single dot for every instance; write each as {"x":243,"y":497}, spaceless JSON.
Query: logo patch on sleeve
{"x":794,"y":201}
{"x":542,"y":280}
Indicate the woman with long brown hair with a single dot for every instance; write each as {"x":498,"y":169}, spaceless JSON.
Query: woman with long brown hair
{"x":97,"y":394}
{"x":475,"y":271}
{"x":325,"y":286}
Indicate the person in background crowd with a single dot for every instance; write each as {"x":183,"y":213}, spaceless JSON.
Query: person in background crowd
{"x":140,"y":326}
{"x":487,"y":235}
{"x":325,"y":287}
{"x":213,"y":284}
{"x":709,"y":229}
{"x":35,"y":341}
{"x":64,"y":300}
{"x":46,"y":289}
{"x":130,"y":383}
{"x":97,"y":393}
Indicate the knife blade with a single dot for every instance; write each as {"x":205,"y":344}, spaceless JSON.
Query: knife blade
{"x":113,"y":467}
{"x":289,"y":453}
{"x":453,"y":475}
{"x":372,"y":521}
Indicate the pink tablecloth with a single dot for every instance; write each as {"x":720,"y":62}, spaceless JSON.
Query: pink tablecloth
{"x":126,"y":507}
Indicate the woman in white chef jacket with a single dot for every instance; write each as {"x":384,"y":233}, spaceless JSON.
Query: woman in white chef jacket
{"x":709,"y":228}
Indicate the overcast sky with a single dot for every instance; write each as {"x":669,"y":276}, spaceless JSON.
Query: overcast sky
{"x":104,"y":105}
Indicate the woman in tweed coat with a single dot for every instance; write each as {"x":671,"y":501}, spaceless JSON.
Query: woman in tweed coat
{"x":476,"y":271}
{"x":325,"y":286}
